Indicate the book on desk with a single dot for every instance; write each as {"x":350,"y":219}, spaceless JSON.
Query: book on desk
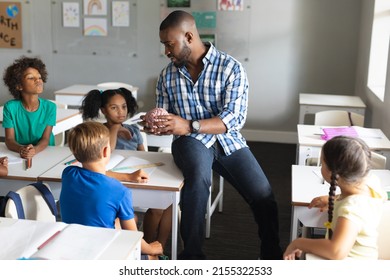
{"x":27,"y":239}
{"x":119,"y":163}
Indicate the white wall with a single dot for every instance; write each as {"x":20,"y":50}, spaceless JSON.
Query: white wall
{"x":295,"y":46}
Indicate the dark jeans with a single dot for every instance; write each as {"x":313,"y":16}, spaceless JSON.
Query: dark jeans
{"x":240,"y":169}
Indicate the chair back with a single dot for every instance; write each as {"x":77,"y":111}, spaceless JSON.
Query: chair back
{"x":338,"y":118}
{"x":145,"y":138}
{"x":115,"y":85}
{"x":378,"y":161}
{"x":36,"y":205}
{"x":384,"y":233}
{"x":60,"y":138}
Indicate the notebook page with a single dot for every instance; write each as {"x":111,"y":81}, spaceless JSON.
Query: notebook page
{"x":22,"y":238}
{"x":77,"y":242}
{"x":132,"y":164}
{"x":12,"y":159}
{"x":115,"y":159}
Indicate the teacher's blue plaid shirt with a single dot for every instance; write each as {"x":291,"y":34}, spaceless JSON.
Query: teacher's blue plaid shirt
{"x":221,"y":90}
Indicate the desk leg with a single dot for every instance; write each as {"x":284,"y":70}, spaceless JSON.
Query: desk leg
{"x":301,"y":115}
{"x":294,"y":224}
{"x":175,"y":218}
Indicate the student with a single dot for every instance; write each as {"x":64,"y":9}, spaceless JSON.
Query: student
{"x":3,"y":166}
{"x":117,"y":105}
{"x":88,"y":196}
{"x":28,"y":119}
{"x":205,"y":92}
{"x":354,"y":215}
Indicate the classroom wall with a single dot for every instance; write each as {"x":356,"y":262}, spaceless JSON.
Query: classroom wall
{"x":295,"y":46}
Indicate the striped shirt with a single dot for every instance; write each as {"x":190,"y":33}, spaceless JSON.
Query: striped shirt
{"x":221,"y":90}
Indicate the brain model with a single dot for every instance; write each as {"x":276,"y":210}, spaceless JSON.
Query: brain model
{"x":153,"y":116}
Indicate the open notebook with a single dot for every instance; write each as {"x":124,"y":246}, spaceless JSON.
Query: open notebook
{"x":119,"y":163}
{"x":27,"y":239}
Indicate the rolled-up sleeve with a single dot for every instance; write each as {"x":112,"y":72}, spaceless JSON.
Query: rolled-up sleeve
{"x":235,"y":106}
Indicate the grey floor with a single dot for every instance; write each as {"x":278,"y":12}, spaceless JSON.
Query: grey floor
{"x":234,"y":232}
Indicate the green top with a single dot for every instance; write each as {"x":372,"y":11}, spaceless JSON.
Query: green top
{"x":29,"y":126}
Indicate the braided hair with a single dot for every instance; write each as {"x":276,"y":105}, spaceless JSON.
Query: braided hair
{"x":96,"y":99}
{"x":347,"y":158}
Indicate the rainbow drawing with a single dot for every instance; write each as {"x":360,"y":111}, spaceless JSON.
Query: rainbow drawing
{"x":95,"y":27}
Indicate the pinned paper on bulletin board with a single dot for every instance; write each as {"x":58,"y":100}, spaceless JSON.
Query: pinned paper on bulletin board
{"x":11,"y":25}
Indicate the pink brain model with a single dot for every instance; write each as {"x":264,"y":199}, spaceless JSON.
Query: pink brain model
{"x":152,"y":116}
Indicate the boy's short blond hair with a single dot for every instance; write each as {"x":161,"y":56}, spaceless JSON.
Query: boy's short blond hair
{"x":87,"y":140}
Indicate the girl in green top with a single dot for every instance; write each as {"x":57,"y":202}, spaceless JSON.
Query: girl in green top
{"x":28,"y":119}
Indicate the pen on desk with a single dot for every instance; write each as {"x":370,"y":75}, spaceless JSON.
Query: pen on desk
{"x":28,"y":163}
{"x":48,"y":240}
{"x":70,"y":162}
{"x":29,"y":160}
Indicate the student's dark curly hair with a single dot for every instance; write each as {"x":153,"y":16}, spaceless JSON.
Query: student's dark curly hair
{"x":96,"y":99}
{"x":13,"y":75}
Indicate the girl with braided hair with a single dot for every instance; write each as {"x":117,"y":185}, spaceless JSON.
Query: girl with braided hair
{"x":354,"y":214}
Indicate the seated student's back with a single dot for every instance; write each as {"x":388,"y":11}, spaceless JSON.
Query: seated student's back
{"x":96,"y":201}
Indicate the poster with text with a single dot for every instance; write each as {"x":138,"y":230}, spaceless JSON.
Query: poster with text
{"x":11,"y":25}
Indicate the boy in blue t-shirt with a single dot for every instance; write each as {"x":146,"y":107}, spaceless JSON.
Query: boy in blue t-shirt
{"x":88,"y":196}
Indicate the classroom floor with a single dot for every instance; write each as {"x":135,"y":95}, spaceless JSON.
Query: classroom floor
{"x":234,"y":231}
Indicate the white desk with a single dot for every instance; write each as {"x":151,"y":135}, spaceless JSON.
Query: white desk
{"x":313,"y":103}
{"x":19,"y":177}
{"x":74,"y":95}
{"x":310,"y":142}
{"x":65,"y":120}
{"x":21,"y":239}
{"x":306,"y":185}
{"x":162,"y":190}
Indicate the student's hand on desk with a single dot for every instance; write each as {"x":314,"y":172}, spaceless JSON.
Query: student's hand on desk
{"x":292,"y":253}
{"x":4,"y":161}
{"x":139,"y":176}
{"x":320,"y":202}
{"x":27,"y":151}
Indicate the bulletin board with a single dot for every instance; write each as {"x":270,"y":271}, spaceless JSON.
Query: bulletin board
{"x":94,"y":27}
{"x":22,"y":11}
{"x":227,"y":29}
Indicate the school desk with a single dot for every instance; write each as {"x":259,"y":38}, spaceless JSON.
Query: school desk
{"x":59,"y":241}
{"x":307,"y":183}
{"x":162,"y":189}
{"x":18,"y":176}
{"x":65,"y":120}
{"x":313,"y":103}
{"x":74,"y":95}
{"x":310,"y":141}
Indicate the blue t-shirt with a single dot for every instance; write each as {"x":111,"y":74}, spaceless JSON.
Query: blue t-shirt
{"x":29,"y":126}
{"x":93,"y":199}
{"x":132,"y":144}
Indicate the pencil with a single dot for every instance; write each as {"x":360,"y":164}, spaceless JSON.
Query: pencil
{"x":71,"y":162}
